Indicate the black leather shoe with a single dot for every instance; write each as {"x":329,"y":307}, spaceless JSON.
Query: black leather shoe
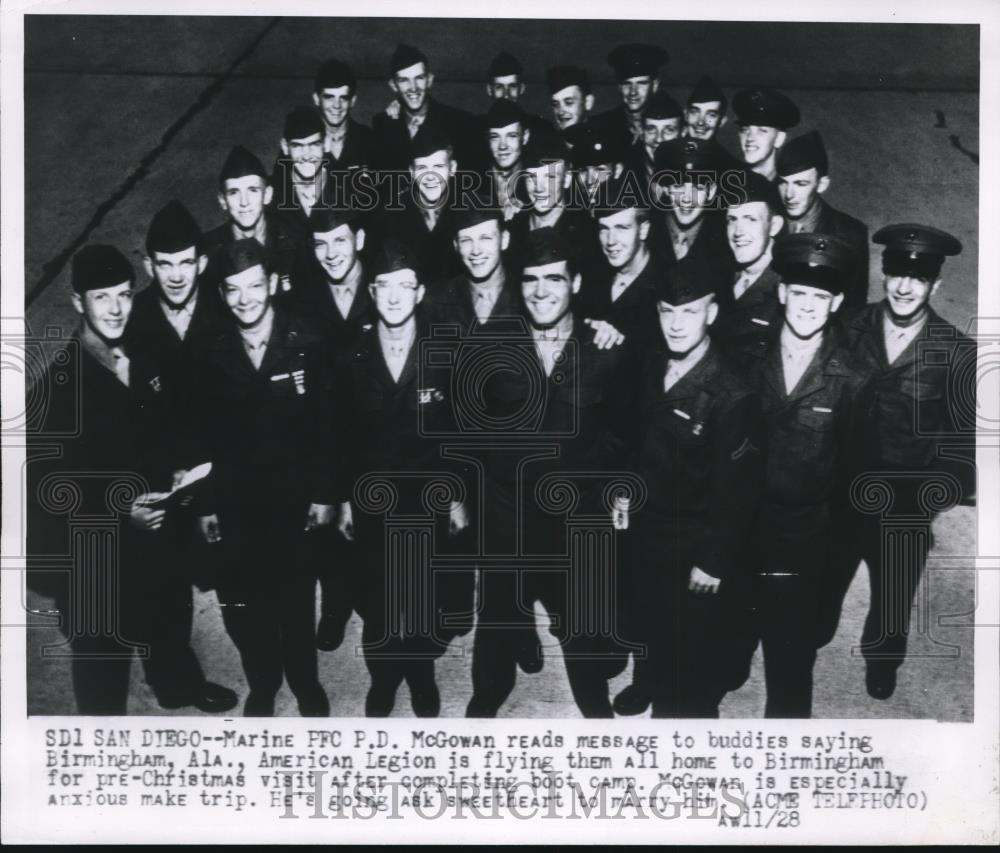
{"x":258,"y":706}
{"x":631,"y":701}
{"x":529,"y":655}
{"x":330,"y":633}
{"x":208,"y":697}
{"x":880,"y":681}
{"x":379,"y":702}
{"x":425,"y":699}
{"x":315,"y":704}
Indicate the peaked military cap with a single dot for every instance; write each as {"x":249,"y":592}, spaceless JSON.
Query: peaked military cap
{"x":172,"y":230}
{"x":545,"y":146}
{"x":98,"y":266}
{"x":618,"y":194}
{"x":765,"y":107}
{"x":678,"y":157}
{"x":593,"y":144}
{"x":803,"y":152}
{"x":816,"y":260}
{"x":636,"y":60}
{"x":917,"y":250}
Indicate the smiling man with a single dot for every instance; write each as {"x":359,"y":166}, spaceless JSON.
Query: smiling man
{"x":662,"y":121}
{"x":301,"y":172}
{"x":764,"y":116}
{"x":580,"y":397}
{"x":750,"y":310}
{"x":705,"y":113}
{"x":260,"y":412}
{"x":636,"y":67}
{"x":918,"y":432}
{"x":507,"y":133}
{"x":803,"y":177}
{"x":809,"y":392}
{"x":346,"y":142}
{"x":411,"y":80}
{"x":570,"y":97}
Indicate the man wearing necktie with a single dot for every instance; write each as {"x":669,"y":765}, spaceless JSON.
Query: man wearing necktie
{"x":809,"y":392}
{"x":699,"y":451}
{"x":566,"y":407}
{"x":749,"y":310}
{"x":261,"y":411}
{"x":803,"y":177}
{"x":919,"y":436}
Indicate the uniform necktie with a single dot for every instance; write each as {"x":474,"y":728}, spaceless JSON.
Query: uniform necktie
{"x":618,"y":288}
{"x":483,"y":305}
{"x":681,"y":246}
{"x":742,"y":284}
{"x":344,"y":297}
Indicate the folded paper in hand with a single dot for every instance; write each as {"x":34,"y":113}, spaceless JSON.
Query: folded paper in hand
{"x":183,"y":487}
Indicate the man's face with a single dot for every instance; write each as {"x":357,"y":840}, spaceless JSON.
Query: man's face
{"x":480,"y":247}
{"x":335,"y":105}
{"x":800,"y":191}
{"x":507,"y":88}
{"x":306,"y":154}
{"x":758,"y":142}
{"x":908,"y":294}
{"x":689,"y":200}
{"x":106,"y":310}
{"x":569,"y":106}
{"x":622,"y":235}
{"x":506,"y":144}
{"x":431,"y":174}
{"x":176,"y":274}
{"x":685,"y":326}
{"x":659,"y":130}
{"x":590,"y":178}
{"x":396,"y":295}
{"x":547,"y":291}
{"x":704,"y":119}
{"x":636,"y":91}
{"x":807,"y":308}
{"x":545,"y":185}
{"x":336,"y":251}
{"x":248,"y":294}
{"x":244,"y":200}
{"x":749,"y":228}
{"x":411,"y":84}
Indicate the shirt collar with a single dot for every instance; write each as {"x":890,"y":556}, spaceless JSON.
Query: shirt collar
{"x":186,"y":308}
{"x":99,"y":349}
{"x":257,"y":338}
{"x":756,"y":269}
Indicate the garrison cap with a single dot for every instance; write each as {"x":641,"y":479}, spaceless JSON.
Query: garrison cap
{"x":404,"y":56}
{"x":803,"y":152}
{"x":753,"y":187}
{"x":816,"y":260}
{"x":544,"y":146}
{"x":98,"y":266}
{"x":393,"y":256}
{"x":689,"y":279}
{"x":475,"y":209}
{"x":301,"y":123}
{"x":593,"y":143}
{"x":172,"y":230}
{"x":617,"y":194}
{"x":707,"y":90}
{"x":239,"y":163}
{"x":547,"y":246}
{"x":504,"y":65}
{"x":323,"y":219}
{"x":242,"y":255}
{"x":503,"y":113}
{"x":561,"y":77}
{"x":333,"y":74}
{"x":660,"y":106}
{"x":636,"y":60}
{"x":917,"y":250}
{"x":766,"y":108}
{"x":429,"y":139}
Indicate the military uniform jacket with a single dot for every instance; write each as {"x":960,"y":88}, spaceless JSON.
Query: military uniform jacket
{"x":921,"y":403}
{"x":582,"y":414}
{"x":709,"y":245}
{"x":393,"y":141}
{"x":289,"y":253}
{"x":751,"y":320}
{"x":633,"y":313}
{"x":270,"y":434}
{"x":320,"y":308}
{"x":435,"y":249}
{"x":451,"y":303}
{"x":617,"y":123}
{"x":358,"y":150}
{"x":581,"y":231}
{"x":855,"y":233}
{"x":700,"y":452}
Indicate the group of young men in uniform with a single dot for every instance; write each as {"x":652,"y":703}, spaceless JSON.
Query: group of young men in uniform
{"x":453,"y":366}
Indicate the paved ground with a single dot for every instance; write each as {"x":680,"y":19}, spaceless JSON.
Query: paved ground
{"x":121,"y":115}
